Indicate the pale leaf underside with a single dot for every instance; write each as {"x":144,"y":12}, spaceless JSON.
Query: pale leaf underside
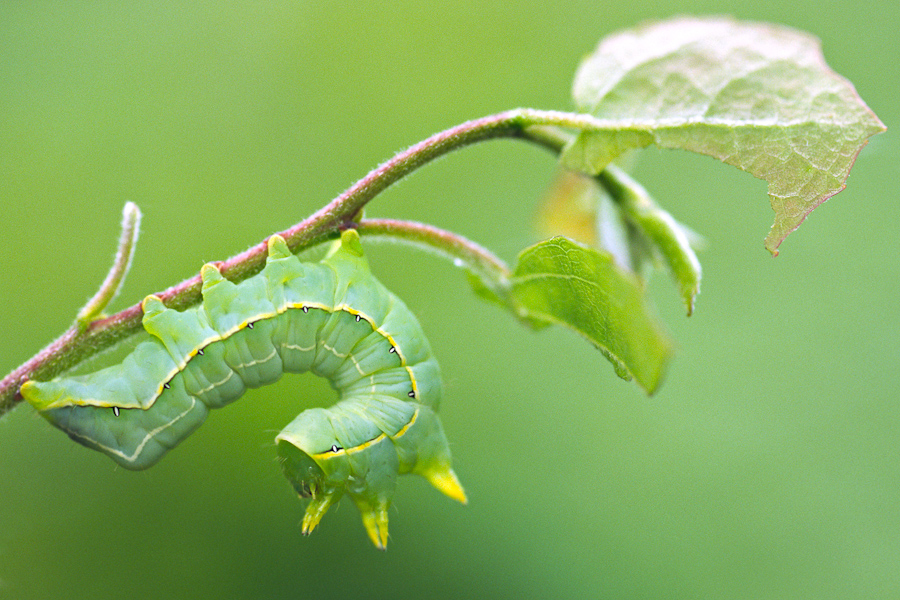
{"x":756,"y":96}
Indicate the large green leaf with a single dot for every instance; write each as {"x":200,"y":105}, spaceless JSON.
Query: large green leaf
{"x":756,"y":96}
{"x":560,"y":281}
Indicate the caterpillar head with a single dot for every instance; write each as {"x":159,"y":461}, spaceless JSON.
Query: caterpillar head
{"x":325,"y":455}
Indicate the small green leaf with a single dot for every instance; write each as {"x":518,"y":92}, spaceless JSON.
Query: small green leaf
{"x":620,"y":217}
{"x":562,"y":282}
{"x":756,"y":96}
{"x":669,"y":237}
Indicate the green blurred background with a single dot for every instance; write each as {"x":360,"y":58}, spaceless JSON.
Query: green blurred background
{"x":766,"y":467}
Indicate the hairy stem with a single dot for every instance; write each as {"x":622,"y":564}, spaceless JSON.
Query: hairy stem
{"x":131,"y":225}
{"x":481,"y":262}
{"x":75,"y":345}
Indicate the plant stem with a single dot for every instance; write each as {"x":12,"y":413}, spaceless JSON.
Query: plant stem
{"x":481,"y":262}
{"x":550,"y":138}
{"x":131,"y":225}
{"x":74,"y":345}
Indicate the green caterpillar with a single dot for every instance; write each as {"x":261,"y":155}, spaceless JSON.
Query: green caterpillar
{"x":331,"y":318}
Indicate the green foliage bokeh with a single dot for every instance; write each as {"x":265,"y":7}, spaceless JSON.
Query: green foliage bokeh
{"x":766,"y":466}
